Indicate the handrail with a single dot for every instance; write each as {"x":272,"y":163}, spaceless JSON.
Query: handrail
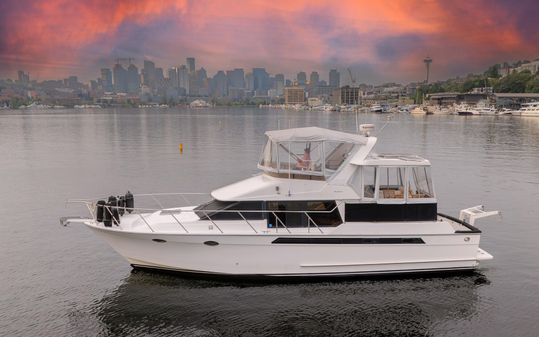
{"x":314,"y":223}
{"x":91,"y":205}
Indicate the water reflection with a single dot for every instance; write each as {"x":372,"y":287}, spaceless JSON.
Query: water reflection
{"x":153,"y":304}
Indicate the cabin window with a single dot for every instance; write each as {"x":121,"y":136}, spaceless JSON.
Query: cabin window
{"x":369,"y":181}
{"x":227,"y":210}
{"x":420,"y":183}
{"x":323,"y":213}
{"x":336,"y":153}
{"x":300,"y":157}
{"x":391,"y":182}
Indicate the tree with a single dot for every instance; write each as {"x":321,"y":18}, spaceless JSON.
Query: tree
{"x":493,"y":71}
{"x":533,"y":84}
{"x":514,"y":82}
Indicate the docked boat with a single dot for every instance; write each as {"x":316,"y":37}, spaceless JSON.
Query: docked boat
{"x":420,"y":110}
{"x":378,"y":108}
{"x":323,"y":205}
{"x":528,"y":110}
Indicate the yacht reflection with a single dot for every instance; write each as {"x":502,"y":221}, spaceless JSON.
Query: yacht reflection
{"x":155,"y":304}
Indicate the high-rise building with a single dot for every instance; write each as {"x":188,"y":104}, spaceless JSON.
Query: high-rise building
{"x":119,"y":78}
{"x":249,"y":81}
{"x":301,"y":78}
{"x":260,"y":81}
{"x":148,"y":74}
{"x":159,"y":78}
{"x":133,"y":79}
{"x":173,"y":80}
{"x":191,"y":64}
{"x":314,"y":79}
{"x":279,"y":84}
{"x":334,"y":78}
{"x":106,"y":79}
{"x":71,"y":82}
{"x":235,"y":78}
{"x":183,"y":78}
{"x":219,"y":84}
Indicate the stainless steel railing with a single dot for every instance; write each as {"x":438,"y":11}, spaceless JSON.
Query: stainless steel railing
{"x":143,"y":212}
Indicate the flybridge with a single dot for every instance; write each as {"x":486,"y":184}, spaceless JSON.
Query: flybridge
{"x":310,"y":152}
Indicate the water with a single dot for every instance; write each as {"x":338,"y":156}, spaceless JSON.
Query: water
{"x":58,"y":281}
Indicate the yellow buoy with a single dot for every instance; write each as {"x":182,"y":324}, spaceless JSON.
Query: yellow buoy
{"x":181,"y":148}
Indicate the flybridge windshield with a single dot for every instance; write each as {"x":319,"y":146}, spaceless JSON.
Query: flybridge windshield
{"x":320,"y":158}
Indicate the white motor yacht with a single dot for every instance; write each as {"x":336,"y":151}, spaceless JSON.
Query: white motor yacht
{"x":378,"y":108}
{"x":528,"y":110}
{"x":323,"y":205}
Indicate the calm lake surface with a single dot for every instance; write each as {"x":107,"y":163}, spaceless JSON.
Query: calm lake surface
{"x":64,"y":281}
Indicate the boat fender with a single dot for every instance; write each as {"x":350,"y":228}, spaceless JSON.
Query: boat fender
{"x":129,"y":202}
{"x":107,"y":215}
{"x":121,"y":205}
{"x":113,"y":204}
{"x":99,"y":210}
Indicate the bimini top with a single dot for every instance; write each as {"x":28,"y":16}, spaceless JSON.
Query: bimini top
{"x":314,"y":134}
{"x":309,"y":153}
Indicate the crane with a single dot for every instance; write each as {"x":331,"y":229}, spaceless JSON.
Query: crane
{"x":352,"y":79}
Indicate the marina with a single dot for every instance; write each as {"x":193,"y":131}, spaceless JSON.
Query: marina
{"x":86,"y":288}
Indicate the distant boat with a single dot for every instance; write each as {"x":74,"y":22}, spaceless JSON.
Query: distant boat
{"x":420,"y":110}
{"x":199,"y":103}
{"x":378,"y":108}
{"x":482,"y":108}
{"x":87,"y":106}
{"x":528,"y":110}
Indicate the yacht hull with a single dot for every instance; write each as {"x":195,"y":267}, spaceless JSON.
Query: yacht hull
{"x":261,"y":255}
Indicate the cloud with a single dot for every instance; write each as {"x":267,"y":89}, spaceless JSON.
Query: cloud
{"x":385,"y":40}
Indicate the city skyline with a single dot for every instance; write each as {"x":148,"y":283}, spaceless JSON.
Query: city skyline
{"x":380,"y":42}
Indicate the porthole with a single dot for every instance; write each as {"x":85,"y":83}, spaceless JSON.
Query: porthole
{"x":211,"y":243}
{"x":159,"y":240}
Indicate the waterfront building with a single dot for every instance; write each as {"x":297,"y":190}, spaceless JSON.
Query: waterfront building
{"x":133,"y":79}
{"x":294,"y":95}
{"x":301,"y":78}
{"x":347,"y":95}
{"x":106,"y":79}
{"x":334,"y":78}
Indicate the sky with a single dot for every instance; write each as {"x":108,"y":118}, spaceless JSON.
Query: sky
{"x":380,"y":41}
